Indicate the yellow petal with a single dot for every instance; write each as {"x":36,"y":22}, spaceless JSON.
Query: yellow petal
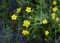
{"x":26,"y":25}
{"x":54,"y":2}
{"x":57,"y":19}
{"x":46,"y":32}
{"x":55,"y":9}
{"x":18,"y":10}
{"x":23,"y":24}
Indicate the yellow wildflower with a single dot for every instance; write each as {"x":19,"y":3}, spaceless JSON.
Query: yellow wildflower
{"x":28,"y":9}
{"x":45,"y":21}
{"x":14,"y":17}
{"x":26,"y":23}
{"x":55,"y":9}
{"x":46,"y":33}
{"x":18,"y":10}
{"x":57,"y":19}
{"x":54,"y":2}
{"x":25,"y":32}
{"x":53,"y":15}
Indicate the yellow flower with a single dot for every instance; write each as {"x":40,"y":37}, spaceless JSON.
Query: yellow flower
{"x":45,"y":21}
{"x":55,"y":9}
{"x":54,"y":2}
{"x":14,"y":17}
{"x":46,"y":33}
{"x":57,"y":19}
{"x":18,"y":10}
{"x":28,"y":9}
{"x":53,"y":15}
{"x":26,"y":23}
{"x":25,"y":32}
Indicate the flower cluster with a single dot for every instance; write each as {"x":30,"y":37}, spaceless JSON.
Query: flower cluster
{"x":55,"y":9}
{"x":53,"y":15}
{"x":34,"y":19}
{"x":25,"y":22}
